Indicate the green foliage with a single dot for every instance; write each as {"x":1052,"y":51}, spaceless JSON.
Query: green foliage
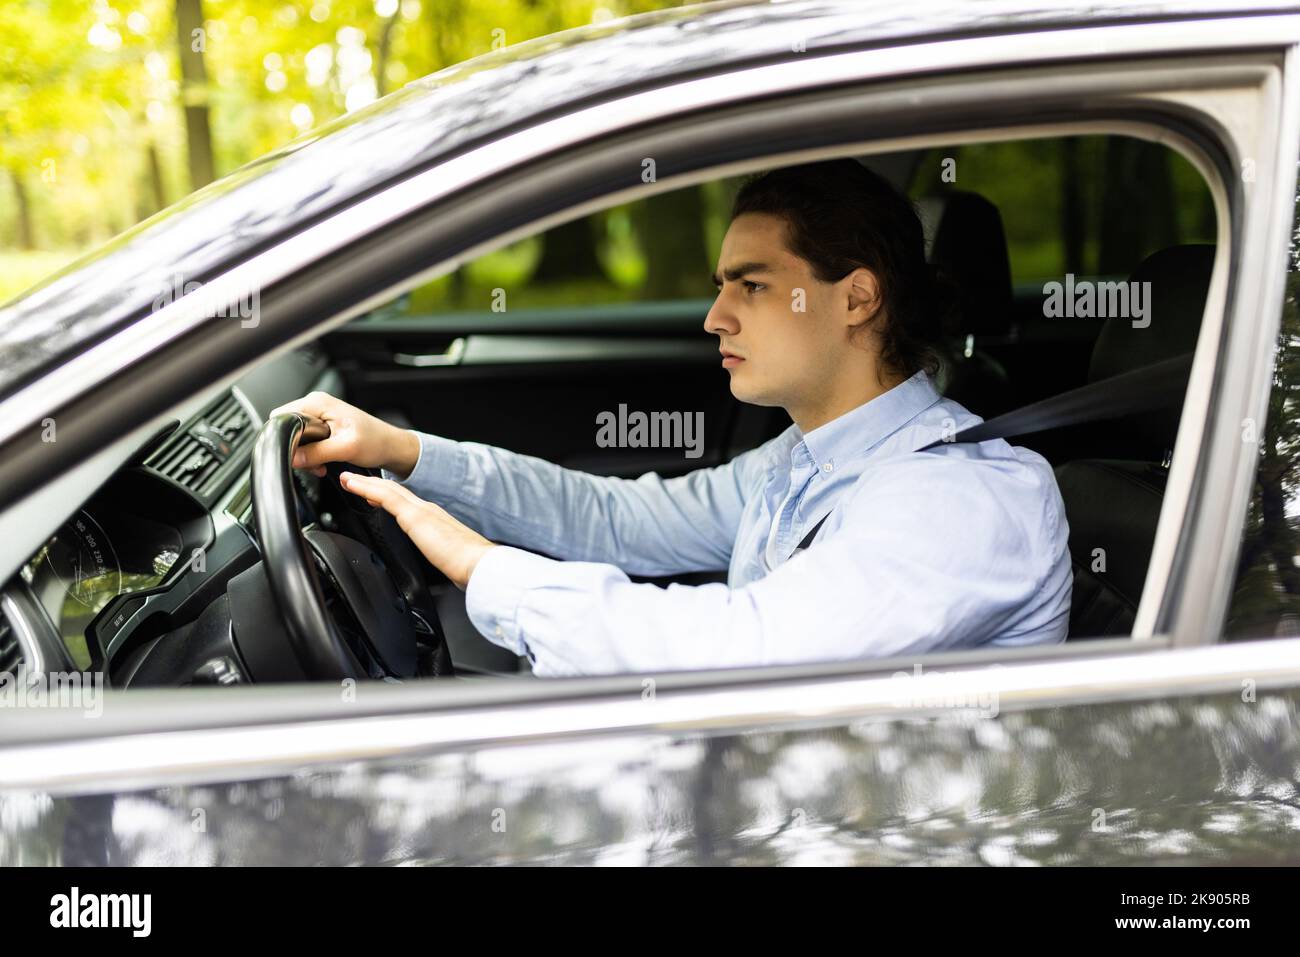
{"x":92,"y":106}
{"x":93,"y":139}
{"x":21,"y":269}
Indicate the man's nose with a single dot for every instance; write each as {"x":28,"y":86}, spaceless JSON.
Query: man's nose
{"x":720,"y":320}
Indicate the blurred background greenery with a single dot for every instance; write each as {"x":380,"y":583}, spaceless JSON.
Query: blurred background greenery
{"x":113,"y":109}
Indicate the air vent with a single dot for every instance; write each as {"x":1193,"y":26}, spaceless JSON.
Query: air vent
{"x":229,"y":417}
{"x":11,"y":653}
{"x":184,"y":461}
{"x":193,"y":457}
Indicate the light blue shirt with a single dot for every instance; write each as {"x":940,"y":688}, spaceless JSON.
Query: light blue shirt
{"x":960,"y":546}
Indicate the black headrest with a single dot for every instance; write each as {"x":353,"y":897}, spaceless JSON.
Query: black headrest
{"x":1174,"y":302}
{"x":1173,"y":305}
{"x":970,"y":247}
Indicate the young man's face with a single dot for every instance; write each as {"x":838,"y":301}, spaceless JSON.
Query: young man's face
{"x":781,"y":330}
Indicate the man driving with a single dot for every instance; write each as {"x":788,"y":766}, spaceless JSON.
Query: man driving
{"x":826,"y":307}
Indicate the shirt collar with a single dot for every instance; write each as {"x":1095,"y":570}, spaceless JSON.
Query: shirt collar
{"x":863,"y":428}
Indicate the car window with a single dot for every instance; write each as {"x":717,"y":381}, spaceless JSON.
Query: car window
{"x":1085,"y":205}
{"x":650,"y":251}
{"x":1088,"y":205}
{"x":662,"y":250}
{"x":1266,"y":594}
{"x":1017,"y":228}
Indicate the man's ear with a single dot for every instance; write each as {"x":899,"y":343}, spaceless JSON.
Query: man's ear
{"x":864,"y":296}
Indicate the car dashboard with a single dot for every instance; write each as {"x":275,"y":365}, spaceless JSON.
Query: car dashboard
{"x":151,"y":552}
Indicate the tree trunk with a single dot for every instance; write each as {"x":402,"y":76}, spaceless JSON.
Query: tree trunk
{"x":1072,"y":221}
{"x":23,"y":204}
{"x":1137,"y":205}
{"x":194,"y":93}
{"x":153,"y":195}
{"x":568,"y":252}
{"x":444,"y":23}
{"x":385,"y":50}
{"x":671,"y":229}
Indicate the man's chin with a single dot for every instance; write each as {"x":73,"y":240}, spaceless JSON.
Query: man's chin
{"x":750,"y":392}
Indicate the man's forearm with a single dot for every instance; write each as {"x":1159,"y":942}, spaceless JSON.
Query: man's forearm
{"x":648,"y":526}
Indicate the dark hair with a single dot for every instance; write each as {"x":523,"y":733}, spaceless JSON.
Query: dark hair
{"x":839,"y":217}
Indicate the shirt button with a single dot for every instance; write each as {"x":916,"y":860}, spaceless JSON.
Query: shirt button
{"x":499,"y":633}
{"x":828,"y":467}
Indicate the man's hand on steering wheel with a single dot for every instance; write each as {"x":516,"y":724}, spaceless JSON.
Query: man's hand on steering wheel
{"x":355,"y":436}
{"x":361,"y":439}
{"x":452,"y":548}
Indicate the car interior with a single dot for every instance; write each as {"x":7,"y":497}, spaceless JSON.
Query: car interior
{"x":164,"y":577}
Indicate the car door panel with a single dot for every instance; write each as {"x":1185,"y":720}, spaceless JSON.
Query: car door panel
{"x":1184,"y":780}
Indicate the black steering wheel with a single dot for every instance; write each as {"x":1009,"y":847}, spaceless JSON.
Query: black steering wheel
{"x":350,"y":610}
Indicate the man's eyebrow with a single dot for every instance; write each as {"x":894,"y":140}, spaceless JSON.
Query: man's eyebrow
{"x":733,"y":273}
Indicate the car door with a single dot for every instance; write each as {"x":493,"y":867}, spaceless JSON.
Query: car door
{"x":1170,"y":747}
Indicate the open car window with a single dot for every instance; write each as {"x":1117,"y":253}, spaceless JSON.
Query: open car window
{"x":1075,"y":259}
{"x":527,"y":347}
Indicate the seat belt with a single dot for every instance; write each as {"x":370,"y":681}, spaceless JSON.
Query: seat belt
{"x":1157,"y":386}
